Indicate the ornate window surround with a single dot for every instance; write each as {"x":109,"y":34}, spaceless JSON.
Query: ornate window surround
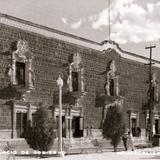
{"x":134,"y":115}
{"x":76,"y":66}
{"x":24,"y":55}
{"x":154,"y":84}
{"x":22,"y":107}
{"x":112,"y":74}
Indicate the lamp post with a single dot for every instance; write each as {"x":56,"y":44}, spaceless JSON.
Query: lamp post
{"x":60,"y":84}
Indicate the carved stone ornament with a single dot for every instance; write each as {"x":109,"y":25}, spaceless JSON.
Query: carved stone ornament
{"x":155,"y":86}
{"x":113,"y":67}
{"x":75,"y":66}
{"x":154,"y":81}
{"x":23,"y":55}
{"x":69,"y":80}
{"x":82,"y":81}
{"x":76,"y":60}
{"x":111,"y":74}
{"x":31,"y":76}
{"x":22,"y":48}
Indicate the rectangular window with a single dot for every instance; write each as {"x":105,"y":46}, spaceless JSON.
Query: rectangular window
{"x":152,"y":94}
{"x":75,"y":81}
{"x":20,"y":73}
{"x":111,"y":87}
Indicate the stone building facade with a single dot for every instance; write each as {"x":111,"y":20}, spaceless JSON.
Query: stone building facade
{"x":96,"y":76}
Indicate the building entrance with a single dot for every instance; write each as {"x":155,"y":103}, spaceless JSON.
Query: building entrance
{"x":21,"y":124}
{"x":133,"y":123}
{"x":72,"y":123}
{"x":156,"y":126}
{"x":76,"y":126}
{"x":63,"y":127}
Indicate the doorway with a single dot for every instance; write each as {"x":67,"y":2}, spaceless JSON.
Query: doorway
{"x":21,"y":124}
{"x":156,"y":126}
{"x":63,"y":126}
{"x":134,"y":124}
{"x":77,"y":129}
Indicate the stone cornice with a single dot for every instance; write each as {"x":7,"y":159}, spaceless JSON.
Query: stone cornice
{"x":111,"y":45}
{"x":48,"y":32}
{"x":53,"y":33}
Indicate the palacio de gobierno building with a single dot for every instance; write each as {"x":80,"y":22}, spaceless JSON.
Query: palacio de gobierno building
{"x":95,"y":76}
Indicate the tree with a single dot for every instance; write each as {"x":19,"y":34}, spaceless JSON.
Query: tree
{"x":40,"y":133}
{"x":114,"y":126}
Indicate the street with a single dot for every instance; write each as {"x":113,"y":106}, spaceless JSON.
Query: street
{"x":139,"y":154}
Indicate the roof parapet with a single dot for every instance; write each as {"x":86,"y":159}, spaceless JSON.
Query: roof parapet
{"x":107,"y":45}
{"x":53,"y":33}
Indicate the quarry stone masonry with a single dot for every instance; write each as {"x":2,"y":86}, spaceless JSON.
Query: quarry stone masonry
{"x":95,"y":78}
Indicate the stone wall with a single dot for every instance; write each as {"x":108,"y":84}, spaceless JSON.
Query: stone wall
{"x":5,"y":119}
{"x":51,"y":59}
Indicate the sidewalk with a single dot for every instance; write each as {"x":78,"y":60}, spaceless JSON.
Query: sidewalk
{"x":139,"y":154}
{"x":97,"y":156}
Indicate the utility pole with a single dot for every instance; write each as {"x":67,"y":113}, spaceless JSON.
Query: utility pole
{"x":151,"y":107}
{"x":109,"y":27}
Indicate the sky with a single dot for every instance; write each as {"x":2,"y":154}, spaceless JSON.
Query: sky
{"x":134,"y":23}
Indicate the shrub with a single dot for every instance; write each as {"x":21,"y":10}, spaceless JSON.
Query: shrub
{"x":114,"y":126}
{"x":40,"y":133}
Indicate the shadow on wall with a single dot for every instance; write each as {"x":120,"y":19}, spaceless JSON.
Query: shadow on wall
{"x":10,"y":92}
{"x":100,"y":100}
{"x":67,"y":98}
{"x":8,"y":48}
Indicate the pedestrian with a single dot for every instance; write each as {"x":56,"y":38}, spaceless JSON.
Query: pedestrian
{"x":87,"y":132}
{"x":125,"y":139}
{"x":138,"y":132}
{"x":130,"y":142}
{"x":90,"y":132}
